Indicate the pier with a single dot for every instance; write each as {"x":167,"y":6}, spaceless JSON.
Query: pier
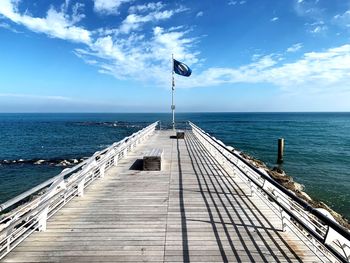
{"x":206,"y":204}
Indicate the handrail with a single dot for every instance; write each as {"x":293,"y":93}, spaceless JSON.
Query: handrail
{"x":65,"y":172}
{"x":304,"y":205}
{"x":32,"y":215}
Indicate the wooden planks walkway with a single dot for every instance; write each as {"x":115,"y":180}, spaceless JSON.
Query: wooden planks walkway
{"x":191,"y":211}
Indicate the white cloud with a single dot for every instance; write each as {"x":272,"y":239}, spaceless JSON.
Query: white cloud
{"x":134,"y":21}
{"x":295,"y":47}
{"x":31,"y":96}
{"x":309,"y":9}
{"x":199,"y":14}
{"x":146,"y":7}
{"x":232,"y":2}
{"x":77,"y":15}
{"x":343,"y":19}
{"x":56,"y":23}
{"x":319,"y":20}
{"x":315,"y":71}
{"x":318,"y":29}
{"x":274,"y":19}
{"x":5,"y":25}
{"x":314,"y":13}
{"x":141,"y":57}
{"x":108,"y":6}
{"x":8,"y":27}
{"x":126,"y":56}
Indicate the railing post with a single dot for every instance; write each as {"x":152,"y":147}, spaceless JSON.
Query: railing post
{"x":81,"y":185}
{"x":284,"y":216}
{"x":8,"y":244}
{"x":284,"y":220}
{"x":115,"y":159}
{"x":125,"y":152}
{"x":102,"y":170}
{"x":42,"y":219}
{"x":251,"y":187}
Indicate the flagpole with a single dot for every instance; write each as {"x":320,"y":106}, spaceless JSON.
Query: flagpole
{"x":172,"y":91}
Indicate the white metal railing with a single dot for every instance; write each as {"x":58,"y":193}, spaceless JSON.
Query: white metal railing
{"x":24,"y":217}
{"x":329,"y":240}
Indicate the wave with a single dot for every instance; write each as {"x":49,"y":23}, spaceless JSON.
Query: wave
{"x":120,"y":124}
{"x":37,"y":161}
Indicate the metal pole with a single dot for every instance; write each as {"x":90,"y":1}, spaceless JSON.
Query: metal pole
{"x":172,"y":92}
{"x":280,"y":150}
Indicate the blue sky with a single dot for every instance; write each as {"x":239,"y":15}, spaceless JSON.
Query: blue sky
{"x":115,"y":55}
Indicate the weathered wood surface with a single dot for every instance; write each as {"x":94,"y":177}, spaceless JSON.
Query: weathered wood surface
{"x":152,"y":160}
{"x":192,"y":210}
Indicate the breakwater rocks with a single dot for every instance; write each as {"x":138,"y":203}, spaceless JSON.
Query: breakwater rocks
{"x":298,"y":189}
{"x":119,"y":124}
{"x":54,"y":161}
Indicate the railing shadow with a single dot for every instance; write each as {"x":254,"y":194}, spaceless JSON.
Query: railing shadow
{"x":232,"y":188}
{"x":214,"y":177}
{"x":200,"y":177}
{"x":185,"y":252}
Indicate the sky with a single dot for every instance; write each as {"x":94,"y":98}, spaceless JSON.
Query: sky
{"x":115,"y":55}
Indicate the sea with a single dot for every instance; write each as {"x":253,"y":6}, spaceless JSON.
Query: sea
{"x":317,"y":145}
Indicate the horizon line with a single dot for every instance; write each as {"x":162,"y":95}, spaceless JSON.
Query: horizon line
{"x":162,"y":112}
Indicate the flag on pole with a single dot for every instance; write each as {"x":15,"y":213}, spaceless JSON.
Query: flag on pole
{"x":181,"y":69}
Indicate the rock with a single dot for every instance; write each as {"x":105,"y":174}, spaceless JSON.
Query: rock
{"x":230,"y":148}
{"x":64,"y":163}
{"x":278,"y":170}
{"x":39,"y":161}
{"x":298,"y":187}
{"x":75,"y":161}
{"x":259,"y":163}
{"x":221,"y":143}
{"x":304,"y":196}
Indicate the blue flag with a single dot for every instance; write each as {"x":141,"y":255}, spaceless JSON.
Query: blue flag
{"x":182,"y":69}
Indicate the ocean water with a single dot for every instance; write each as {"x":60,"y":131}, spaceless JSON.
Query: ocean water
{"x":317,"y":145}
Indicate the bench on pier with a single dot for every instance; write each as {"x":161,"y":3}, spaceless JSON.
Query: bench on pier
{"x":180,"y":134}
{"x":152,"y":160}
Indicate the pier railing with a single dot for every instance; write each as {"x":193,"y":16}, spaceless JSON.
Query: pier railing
{"x":319,"y":232}
{"x":30,"y":211}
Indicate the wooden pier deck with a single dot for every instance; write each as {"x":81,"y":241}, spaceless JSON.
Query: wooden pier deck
{"x":191,"y":211}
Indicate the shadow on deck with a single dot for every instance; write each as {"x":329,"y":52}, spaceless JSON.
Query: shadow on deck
{"x":191,"y":211}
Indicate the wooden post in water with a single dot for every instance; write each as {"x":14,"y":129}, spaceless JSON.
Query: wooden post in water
{"x":280,"y":150}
